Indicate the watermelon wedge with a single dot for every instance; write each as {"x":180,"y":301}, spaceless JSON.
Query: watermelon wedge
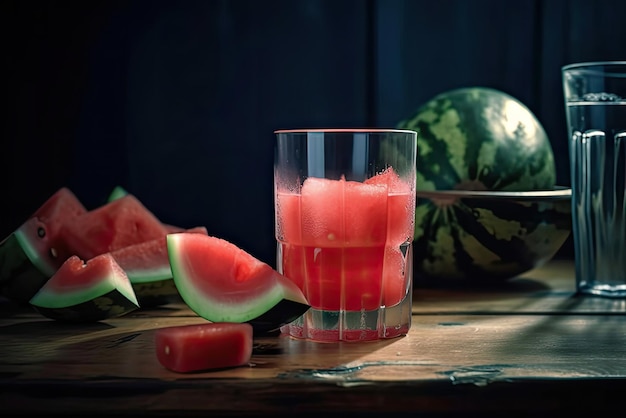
{"x":34,"y":251}
{"x":86,"y":292}
{"x":223,"y":283}
{"x":114,"y":225}
{"x":42,"y":242}
{"x":63,"y":227}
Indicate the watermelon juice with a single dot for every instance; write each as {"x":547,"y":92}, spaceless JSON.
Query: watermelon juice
{"x":347,"y":245}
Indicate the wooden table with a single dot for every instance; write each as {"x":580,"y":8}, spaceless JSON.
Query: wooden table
{"x":529,"y":345}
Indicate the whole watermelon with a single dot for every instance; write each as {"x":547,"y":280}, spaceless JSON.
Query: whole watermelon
{"x":480,"y":138}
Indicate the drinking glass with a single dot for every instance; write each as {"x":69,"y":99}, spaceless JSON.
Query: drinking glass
{"x":595,"y":103}
{"x":345,"y":218}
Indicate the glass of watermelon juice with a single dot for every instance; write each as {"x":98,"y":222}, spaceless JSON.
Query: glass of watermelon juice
{"x":345,"y":217}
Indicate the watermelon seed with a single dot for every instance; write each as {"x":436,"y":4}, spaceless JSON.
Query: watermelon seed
{"x":53,"y":252}
{"x":41,"y":232}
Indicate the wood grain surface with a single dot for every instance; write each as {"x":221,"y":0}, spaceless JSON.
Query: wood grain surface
{"x":530,"y":344}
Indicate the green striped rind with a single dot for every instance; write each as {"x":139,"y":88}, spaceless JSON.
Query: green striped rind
{"x":154,"y":286}
{"x":116,"y":193}
{"x":111,"y":296}
{"x":266,"y":311}
{"x":40,"y":261}
{"x":149,"y":275}
{"x":222,"y":308}
{"x":113,"y":304}
{"x":481,"y":139}
{"x":46,"y":297}
{"x":475,"y":138}
{"x":19,"y":278}
{"x":155,"y":293}
{"x":487,"y":239}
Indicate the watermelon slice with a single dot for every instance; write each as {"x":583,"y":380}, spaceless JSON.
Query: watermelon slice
{"x":190,"y":348}
{"x":35,"y":250}
{"x":86,"y":292}
{"x":223,"y":283}
{"x":147,"y":266}
{"x":43,"y":243}
{"x":114,"y":225}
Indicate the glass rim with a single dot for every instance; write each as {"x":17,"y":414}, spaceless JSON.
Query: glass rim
{"x":344,"y":130}
{"x":588,"y":65}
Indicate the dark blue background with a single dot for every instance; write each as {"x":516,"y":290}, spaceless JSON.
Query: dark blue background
{"x":177,"y":101}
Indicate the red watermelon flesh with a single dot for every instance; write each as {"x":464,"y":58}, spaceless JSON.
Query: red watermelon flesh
{"x":44,"y":241}
{"x":340,"y":213}
{"x":223,"y":283}
{"x":119,"y":191}
{"x":323,"y":224}
{"x":86,"y":291}
{"x":62,"y":206}
{"x":190,"y":348}
{"x":114,"y":225}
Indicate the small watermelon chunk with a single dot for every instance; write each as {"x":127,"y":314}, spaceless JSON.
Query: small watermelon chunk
{"x":86,"y":291}
{"x":190,"y":348}
{"x":324,"y":224}
{"x":114,"y":225}
{"x":401,"y":206}
{"x":223,"y":283}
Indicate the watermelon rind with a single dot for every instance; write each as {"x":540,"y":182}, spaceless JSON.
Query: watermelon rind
{"x":46,"y":298}
{"x":154,"y":287}
{"x":147,"y":266}
{"x":40,"y":261}
{"x":19,"y":278}
{"x":275,"y":302}
{"x":149,"y":275}
{"x":111,"y":305}
{"x":156,"y":293}
{"x":110,"y":296}
{"x":116,"y":193}
{"x":487,"y":239}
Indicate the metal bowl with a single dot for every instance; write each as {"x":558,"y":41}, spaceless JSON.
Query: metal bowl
{"x":468,"y":235}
